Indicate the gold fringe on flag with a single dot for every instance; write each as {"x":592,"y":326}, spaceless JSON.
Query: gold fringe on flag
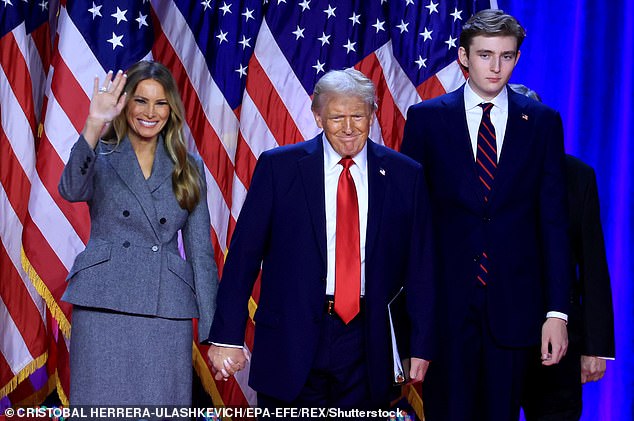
{"x":42,"y":289}
{"x":252,"y":307}
{"x":60,"y":391}
{"x":39,"y":396}
{"x":23,"y":374}
{"x":416,"y":401}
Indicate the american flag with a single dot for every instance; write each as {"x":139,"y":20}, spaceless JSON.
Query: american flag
{"x":24,"y":59}
{"x":246,"y":70}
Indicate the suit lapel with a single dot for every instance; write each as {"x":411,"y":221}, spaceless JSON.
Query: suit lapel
{"x":162,"y":167}
{"x":515,"y":142}
{"x":377,"y":183}
{"x":458,"y":138}
{"x":311,"y":168}
{"x":124,"y":162}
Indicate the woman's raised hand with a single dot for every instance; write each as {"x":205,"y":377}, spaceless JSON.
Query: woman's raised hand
{"x":106,"y":103}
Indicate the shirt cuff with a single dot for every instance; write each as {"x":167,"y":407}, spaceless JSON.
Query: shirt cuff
{"x":226,"y":345}
{"x":599,"y":357}
{"x":557,"y":315}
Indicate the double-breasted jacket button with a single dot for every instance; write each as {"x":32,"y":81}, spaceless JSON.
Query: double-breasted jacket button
{"x":155,"y":248}
{"x":126,"y":244}
{"x":82,"y":171}
{"x":162,"y":220}
{"x":126,"y":213}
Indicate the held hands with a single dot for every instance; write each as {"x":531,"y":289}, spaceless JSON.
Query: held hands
{"x":106,"y":103}
{"x":592,"y":368}
{"x":226,"y":361}
{"x":555,"y":334}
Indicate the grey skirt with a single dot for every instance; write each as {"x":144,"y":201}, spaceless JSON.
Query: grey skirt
{"x":128,"y":359}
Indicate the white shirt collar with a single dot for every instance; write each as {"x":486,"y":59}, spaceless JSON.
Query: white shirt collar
{"x":332,"y":158}
{"x":472,"y":100}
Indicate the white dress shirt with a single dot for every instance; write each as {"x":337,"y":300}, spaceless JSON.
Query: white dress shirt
{"x":499,"y":116}
{"x":332,"y":170}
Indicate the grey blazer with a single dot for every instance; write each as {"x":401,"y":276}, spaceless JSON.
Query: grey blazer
{"x":131,"y":262}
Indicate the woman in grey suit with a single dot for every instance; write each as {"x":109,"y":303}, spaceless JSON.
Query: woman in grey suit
{"x":133,"y":295}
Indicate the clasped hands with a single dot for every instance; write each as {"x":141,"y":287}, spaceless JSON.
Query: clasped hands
{"x":226,"y":361}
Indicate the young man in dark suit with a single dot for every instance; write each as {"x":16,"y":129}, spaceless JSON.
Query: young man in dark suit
{"x":331,"y":261}
{"x":591,"y":319}
{"x":494,"y":166}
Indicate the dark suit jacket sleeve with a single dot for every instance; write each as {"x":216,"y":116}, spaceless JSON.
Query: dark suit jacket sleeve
{"x":420,"y":284}
{"x":244,"y":259}
{"x":554,"y":216}
{"x":200,"y":253}
{"x":595,"y":279}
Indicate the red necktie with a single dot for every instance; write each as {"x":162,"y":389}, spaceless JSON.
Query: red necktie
{"x":486,"y":162}
{"x":347,"y":248}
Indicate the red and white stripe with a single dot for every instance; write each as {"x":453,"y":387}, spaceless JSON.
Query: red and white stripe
{"x":23,"y":337}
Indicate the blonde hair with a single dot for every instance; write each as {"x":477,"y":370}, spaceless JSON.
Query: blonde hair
{"x":186,"y":179}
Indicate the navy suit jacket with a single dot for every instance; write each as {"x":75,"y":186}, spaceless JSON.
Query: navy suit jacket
{"x":591,"y":314}
{"x":522,"y":227}
{"x":282,"y":229}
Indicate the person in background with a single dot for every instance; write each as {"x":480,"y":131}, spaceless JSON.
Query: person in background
{"x":338,"y":225}
{"x":133,"y":295}
{"x":591,"y":317}
{"x":494,"y":165}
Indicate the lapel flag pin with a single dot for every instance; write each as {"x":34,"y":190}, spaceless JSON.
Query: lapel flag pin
{"x":382,"y":171}
{"x":525,"y":117}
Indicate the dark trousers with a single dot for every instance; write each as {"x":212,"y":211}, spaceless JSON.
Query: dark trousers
{"x":338,"y":377}
{"x":473,"y":377}
{"x":554,"y":393}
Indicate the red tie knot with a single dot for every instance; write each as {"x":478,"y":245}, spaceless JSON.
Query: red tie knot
{"x":347,"y":162}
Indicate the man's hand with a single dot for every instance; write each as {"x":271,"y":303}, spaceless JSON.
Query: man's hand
{"x":418,"y":369}
{"x":226,"y":361}
{"x":592,"y":368}
{"x":555,"y":334}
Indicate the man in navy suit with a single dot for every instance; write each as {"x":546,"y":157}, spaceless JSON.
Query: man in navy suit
{"x":591,"y":328}
{"x":494,"y":166}
{"x":309,"y":349}
{"x":591,"y":315}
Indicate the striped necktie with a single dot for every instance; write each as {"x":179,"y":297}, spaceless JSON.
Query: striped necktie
{"x":486,"y":156}
{"x":486,"y":163}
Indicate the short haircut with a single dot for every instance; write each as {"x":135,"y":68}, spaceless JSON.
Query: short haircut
{"x":349,"y":82}
{"x":491,"y":23}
